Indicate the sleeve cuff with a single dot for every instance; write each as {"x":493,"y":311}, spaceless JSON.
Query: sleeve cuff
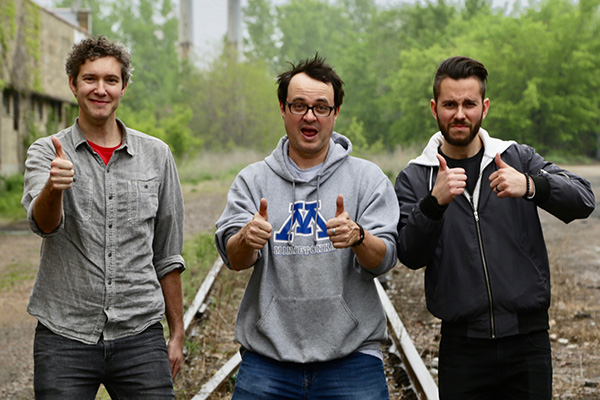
{"x":431,"y":209}
{"x":542,"y":188}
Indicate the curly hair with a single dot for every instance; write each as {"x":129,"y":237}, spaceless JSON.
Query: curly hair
{"x":317,"y":69}
{"x":96,"y":47}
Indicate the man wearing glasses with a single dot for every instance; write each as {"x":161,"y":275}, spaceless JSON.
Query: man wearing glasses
{"x":317,"y":226}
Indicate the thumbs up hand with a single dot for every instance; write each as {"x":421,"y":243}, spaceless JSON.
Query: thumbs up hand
{"x":257,"y":232}
{"x":342,"y":230}
{"x":450,"y":182}
{"x":507,"y":181}
{"x":61,"y":169}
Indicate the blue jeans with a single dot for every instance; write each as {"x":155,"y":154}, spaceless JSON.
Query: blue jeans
{"x":136,"y":367}
{"x":355,"y":377}
{"x":512,"y":368}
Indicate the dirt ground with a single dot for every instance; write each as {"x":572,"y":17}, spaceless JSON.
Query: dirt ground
{"x":574,"y":251}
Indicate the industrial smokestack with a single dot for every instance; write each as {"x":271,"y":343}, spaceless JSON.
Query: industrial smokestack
{"x":234,"y":24}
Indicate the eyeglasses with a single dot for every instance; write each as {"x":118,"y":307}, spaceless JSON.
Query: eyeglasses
{"x":320,"y":110}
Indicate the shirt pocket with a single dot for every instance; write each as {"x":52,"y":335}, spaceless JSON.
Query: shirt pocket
{"x":142,"y":200}
{"x":78,"y":201}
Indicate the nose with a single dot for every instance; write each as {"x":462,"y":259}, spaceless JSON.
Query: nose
{"x":460,"y":113}
{"x":310,"y":115}
{"x":100,"y":90}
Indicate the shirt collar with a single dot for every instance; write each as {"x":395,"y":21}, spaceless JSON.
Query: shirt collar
{"x":79,"y":137}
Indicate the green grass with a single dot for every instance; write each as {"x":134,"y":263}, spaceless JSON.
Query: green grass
{"x":210,"y":166}
{"x":199,"y":253}
{"x":13,"y":275}
{"x":11,"y":191}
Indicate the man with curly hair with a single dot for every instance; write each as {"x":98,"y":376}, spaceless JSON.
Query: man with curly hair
{"x":107,"y":202}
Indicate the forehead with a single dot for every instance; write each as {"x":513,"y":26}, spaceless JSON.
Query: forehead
{"x":108,"y":65}
{"x":303,"y":87}
{"x":469,"y":88}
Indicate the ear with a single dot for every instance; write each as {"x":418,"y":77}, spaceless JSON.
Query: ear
{"x":433,"y":108}
{"x":124,"y":89}
{"x":337,"y":112}
{"x":73,"y":86}
{"x":486,"y":107}
{"x":282,"y":108}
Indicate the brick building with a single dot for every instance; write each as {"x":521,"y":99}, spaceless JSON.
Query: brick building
{"x":36,"y":99}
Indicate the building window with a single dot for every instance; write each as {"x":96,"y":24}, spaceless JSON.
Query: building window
{"x":6,"y":101}
{"x":16,"y":111}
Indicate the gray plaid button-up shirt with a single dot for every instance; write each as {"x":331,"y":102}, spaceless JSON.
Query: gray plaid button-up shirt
{"x":121,"y":232}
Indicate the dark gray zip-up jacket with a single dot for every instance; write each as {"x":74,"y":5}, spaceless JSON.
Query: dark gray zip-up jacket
{"x":487,"y":272}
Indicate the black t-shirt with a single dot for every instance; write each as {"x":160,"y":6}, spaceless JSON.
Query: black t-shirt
{"x":471,"y":166}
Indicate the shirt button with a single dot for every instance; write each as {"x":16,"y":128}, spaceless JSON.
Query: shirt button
{"x":110,"y":225}
{"x":110,"y":197}
{"x":145,"y":186}
{"x":110,"y":254}
{"x":109,"y":282}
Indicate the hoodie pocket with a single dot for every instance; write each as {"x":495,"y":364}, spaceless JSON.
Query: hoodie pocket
{"x":308,"y":329}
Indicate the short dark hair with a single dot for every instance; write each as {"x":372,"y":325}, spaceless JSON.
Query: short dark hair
{"x":459,"y":67}
{"x":317,"y":69}
{"x":97,"y":47}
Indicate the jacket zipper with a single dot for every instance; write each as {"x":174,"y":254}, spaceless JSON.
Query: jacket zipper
{"x":485,"y":273}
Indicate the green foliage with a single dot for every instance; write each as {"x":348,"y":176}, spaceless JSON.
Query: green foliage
{"x":11,"y":191}
{"x":8,"y":28}
{"x":199,"y":254}
{"x":543,"y":61}
{"x":235,"y":104}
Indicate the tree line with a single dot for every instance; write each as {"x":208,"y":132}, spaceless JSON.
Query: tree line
{"x":543,"y":61}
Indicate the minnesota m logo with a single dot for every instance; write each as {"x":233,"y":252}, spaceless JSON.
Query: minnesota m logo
{"x":302,"y":222}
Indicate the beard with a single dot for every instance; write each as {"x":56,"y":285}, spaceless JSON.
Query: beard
{"x":473,"y":131}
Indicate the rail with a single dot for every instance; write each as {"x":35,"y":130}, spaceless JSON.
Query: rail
{"x":421,"y":380}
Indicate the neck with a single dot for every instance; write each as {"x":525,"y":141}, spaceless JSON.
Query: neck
{"x":307,"y":162}
{"x":106,"y":134}
{"x":462,"y":152}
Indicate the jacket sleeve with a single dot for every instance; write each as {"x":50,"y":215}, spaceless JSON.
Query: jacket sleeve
{"x":418,"y":234}
{"x":570,"y":197}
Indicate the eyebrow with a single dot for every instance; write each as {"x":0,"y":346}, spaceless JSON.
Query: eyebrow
{"x":91,"y":74}
{"x":303,"y":99}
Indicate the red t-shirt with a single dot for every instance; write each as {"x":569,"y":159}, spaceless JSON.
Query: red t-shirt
{"x":104,"y":152}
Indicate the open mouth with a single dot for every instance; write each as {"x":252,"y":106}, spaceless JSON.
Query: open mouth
{"x":309,"y":132}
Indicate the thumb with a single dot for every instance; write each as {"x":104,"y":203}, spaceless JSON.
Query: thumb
{"x":339,"y":202}
{"x":59,"y":149}
{"x":499,"y":162}
{"x":263,"y":209}
{"x":443,"y":163}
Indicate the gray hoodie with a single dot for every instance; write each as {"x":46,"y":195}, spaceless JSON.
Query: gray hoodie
{"x":307,"y":301}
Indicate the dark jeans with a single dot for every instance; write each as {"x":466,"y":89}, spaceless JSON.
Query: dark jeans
{"x":516,"y":367}
{"x":136,"y":367}
{"x":355,"y":377}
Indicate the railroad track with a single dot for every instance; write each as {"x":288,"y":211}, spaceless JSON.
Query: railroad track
{"x":405,"y":369}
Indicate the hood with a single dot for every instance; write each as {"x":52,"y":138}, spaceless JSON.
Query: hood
{"x":491,"y":147}
{"x":340,"y":147}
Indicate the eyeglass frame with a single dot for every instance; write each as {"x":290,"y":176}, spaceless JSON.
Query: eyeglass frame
{"x":311,"y":108}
